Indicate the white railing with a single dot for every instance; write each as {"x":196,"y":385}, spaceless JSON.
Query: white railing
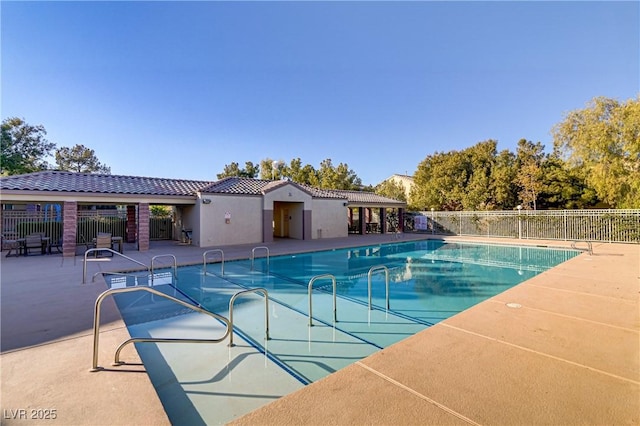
{"x":607,"y":225}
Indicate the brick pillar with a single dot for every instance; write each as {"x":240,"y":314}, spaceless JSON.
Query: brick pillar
{"x":132,"y":224}
{"x":143,"y":226}
{"x":69,"y":228}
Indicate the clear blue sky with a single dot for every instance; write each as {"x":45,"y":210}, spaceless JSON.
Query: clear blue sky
{"x":179,"y":89}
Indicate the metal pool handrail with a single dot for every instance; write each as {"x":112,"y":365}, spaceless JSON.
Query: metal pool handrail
{"x":386,"y":275}
{"x":96,"y":324}
{"x":253,"y":255}
{"x":175,"y":265}
{"x":204,"y":260}
{"x":311,"y":281}
{"x":589,"y":248}
{"x":266,"y":310}
{"x":92,"y":250}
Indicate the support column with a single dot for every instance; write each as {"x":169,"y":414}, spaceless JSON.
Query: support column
{"x":267,"y":226}
{"x":307,"y":225}
{"x":143,"y":226}
{"x":132,"y":224}
{"x":69,"y":228}
{"x":363,"y":221}
{"x":401,"y":220}
{"x":383,"y":220}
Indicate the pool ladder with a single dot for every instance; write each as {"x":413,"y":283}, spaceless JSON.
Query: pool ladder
{"x":266,"y":309}
{"x":96,"y":325}
{"x":150,"y":270}
{"x":386,"y":276}
{"x":204,"y":260}
{"x":588,"y":249}
{"x":333,"y":281}
{"x":310,"y":286}
{"x":253,"y":255}
{"x":175,"y":265}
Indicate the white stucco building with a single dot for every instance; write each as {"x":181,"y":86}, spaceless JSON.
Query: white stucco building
{"x":229,"y":211}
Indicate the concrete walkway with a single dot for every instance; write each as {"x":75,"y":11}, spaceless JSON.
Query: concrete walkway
{"x":568,"y":355}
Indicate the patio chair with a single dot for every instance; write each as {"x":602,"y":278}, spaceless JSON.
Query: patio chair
{"x":187,"y":235}
{"x":46,"y":242}
{"x":32,"y":242}
{"x":103,"y":241}
{"x":83,"y":241}
{"x":11,"y":244}
{"x":57,"y":244}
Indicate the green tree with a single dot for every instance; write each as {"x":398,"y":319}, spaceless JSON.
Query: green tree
{"x":391,"y":189}
{"x":503,"y":178}
{"x":529,"y":158}
{"x":301,"y":174}
{"x":158,"y":210}
{"x":272,"y":169}
{"x":479,"y":191}
{"x":467,"y":179}
{"x":230,"y":170}
{"x":564,"y":187}
{"x":234,"y":170}
{"x":337,"y":177}
{"x":250,"y":170}
{"x":79,"y":159}
{"x":23,"y":147}
{"x":603,"y":141}
{"x":439,"y":182}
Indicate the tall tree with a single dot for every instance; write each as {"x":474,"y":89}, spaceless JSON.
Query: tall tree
{"x":233,"y":170}
{"x":251,"y":170}
{"x":301,"y":174}
{"x":79,"y":159}
{"x":23,"y":147}
{"x":503,"y":178}
{"x":603,"y":139}
{"x":564,"y":187}
{"x":439,"y":182}
{"x":479,"y":192}
{"x":230,"y":170}
{"x":529,"y":158}
{"x":391,"y":189}
{"x":271,"y":169}
{"x":337,"y":177}
{"x":458,"y":180}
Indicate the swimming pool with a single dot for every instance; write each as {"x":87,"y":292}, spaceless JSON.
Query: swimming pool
{"x":429,"y":281}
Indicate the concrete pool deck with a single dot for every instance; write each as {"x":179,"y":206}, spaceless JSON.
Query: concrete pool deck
{"x":570,"y":354}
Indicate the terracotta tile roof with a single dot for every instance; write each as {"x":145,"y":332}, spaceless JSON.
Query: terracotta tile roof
{"x":323,"y":193}
{"x":366,"y":198}
{"x":236,"y":185}
{"x":249,"y":186}
{"x":60,"y":181}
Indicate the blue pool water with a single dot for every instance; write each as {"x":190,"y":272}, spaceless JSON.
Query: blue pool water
{"x":429,"y":281}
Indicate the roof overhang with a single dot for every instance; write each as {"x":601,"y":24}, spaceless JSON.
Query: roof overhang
{"x":31,"y":197}
{"x":377,"y":205}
